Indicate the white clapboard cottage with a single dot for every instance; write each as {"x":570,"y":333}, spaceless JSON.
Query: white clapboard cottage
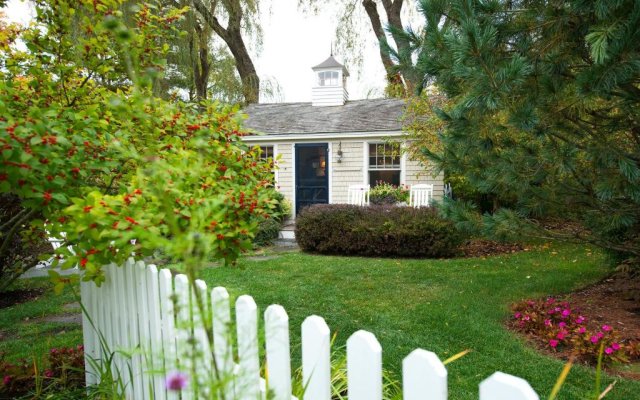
{"x":331,"y":143}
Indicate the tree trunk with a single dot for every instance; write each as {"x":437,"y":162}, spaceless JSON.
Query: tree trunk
{"x":232,"y":36}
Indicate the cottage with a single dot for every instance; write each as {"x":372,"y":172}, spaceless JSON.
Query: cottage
{"x":331,"y":143}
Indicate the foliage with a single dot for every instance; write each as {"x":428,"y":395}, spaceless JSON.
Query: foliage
{"x":63,"y":371}
{"x":386,"y":193}
{"x":544,"y":110}
{"x":559,"y":326}
{"x":376,"y":231}
{"x":268,"y":230}
{"x":120,"y":172}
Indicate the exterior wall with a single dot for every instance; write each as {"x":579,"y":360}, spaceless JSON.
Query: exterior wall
{"x":329,"y":95}
{"x":351,"y":170}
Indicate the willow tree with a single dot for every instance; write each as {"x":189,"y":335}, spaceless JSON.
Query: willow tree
{"x":545,"y":109}
{"x":381,"y":19}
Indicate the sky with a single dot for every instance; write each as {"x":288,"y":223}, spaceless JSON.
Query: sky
{"x":293,"y":42}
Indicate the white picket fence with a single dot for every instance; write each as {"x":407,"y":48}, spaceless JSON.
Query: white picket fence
{"x":139,"y":306}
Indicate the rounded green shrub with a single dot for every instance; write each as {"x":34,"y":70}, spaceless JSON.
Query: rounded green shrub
{"x":381,"y":231}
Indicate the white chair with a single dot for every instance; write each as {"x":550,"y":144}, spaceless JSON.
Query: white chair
{"x":420,"y":195}
{"x":358,"y":195}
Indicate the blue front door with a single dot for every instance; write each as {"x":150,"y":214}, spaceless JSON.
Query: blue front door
{"x":312,"y":175}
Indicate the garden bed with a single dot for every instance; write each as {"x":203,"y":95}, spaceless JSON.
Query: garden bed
{"x":611,"y":304}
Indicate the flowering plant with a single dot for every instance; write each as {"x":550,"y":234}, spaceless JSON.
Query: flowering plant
{"x":386,"y":193}
{"x":559,"y":326}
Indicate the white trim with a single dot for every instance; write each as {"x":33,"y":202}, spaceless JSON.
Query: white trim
{"x":276,"y":172}
{"x":329,"y":167}
{"x":403,"y":165}
{"x":365,"y":163}
{"x":318,"y":136}
{"x":294,"y":183}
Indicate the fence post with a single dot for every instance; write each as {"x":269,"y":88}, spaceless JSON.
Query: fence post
{"x":143,"y":326}
{"x":248,"y":382}
{"x":156,"y":354}
{"x":204,"y":363}
{"x":364,"y":367}
{"x":316,"y":362}
{"x":423,"y":376}
{"x":88,"y":335}
{"x":501,"y":386}
{"x":276,"y":326}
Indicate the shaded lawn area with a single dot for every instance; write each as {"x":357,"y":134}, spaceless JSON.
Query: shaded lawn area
{"x":23,"y":335}
{"x":444,"y":306}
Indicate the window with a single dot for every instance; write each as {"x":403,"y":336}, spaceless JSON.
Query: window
{"x":328,"y":78}
{"x":266,"y":152}
{"x":384,"y":163}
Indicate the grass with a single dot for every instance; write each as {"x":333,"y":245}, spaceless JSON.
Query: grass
{"x":444,"y":306}
{"x":25,"y":336}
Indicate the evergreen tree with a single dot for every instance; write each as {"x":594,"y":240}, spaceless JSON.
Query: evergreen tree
{"x":544,"y":111}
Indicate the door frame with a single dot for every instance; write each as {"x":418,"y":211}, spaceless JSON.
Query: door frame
{"x":296,"y":164}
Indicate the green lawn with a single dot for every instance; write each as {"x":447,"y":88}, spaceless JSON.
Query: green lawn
{"x":444,"y":306}
{"x":24,"y":336}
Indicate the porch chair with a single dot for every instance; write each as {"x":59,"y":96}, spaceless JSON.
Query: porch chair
{"x":358,"y":195}
{"x":420,"y":195}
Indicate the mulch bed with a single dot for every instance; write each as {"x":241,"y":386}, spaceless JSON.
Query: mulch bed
{"x":13,"y":297}
{"x":614,"y":301}
{"x":486,"y":248}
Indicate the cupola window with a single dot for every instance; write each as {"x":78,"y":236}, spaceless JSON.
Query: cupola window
{"x":328,"y":78}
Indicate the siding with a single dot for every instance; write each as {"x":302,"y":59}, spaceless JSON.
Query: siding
{"x":415,"y":173}
{"x":348,"y":172}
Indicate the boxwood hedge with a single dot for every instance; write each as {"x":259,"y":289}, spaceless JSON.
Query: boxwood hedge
{"x":382,"y":231}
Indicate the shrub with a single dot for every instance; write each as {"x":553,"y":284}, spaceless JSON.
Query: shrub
{"x":376,"y":231}
{"x":386,"y":193}
{"x":268,"y":230}
{"x":560,"y":327}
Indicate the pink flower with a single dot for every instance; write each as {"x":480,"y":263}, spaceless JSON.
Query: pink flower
{"x":582,"y":329}
{"x":176,"y":380}
{"x":553,"y":343}
{"x":608,"y":350}
{"x":547,"y":322}
{"x":48,"y":373}
{"x":518,"y":315}
{"x":600,"y":335}
{"x":562,"y":324}
{"x":606,"y":328}
{"x":580,"y":319}
{"x":6,"y":380}
{"x":594,"y":339}
{"x":561,"y":335}
{"x":551,"y":300}
{"x":615,"y":346}
{"x":526,"y":318}
{"x":566,"y":312}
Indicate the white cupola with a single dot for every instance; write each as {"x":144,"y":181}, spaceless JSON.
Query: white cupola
{"x":330,"y":83}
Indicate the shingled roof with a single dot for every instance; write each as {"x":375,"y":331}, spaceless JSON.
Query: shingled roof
{"x":354,"y":116}
{"x":331,"y":63}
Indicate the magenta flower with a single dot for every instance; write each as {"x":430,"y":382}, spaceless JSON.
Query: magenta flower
{"x":582,"y":329}
{"x":615,"y":346}
{"x":526,"y":318}
{"x":6,"y":380}
{"x":48,"y":373}
{"x":608,"y":350}
{"x":561,"y":335}
{"x":547,"y":322}
{"x":176,"y":380}
{"x":553,"y":343}
{"x":600,"y":335}
{"x":562,"y":324}
{"x":518,"y":315}
{"x":606,"y":328}
{"x":551,"y":300}
{"x":566,"y":312}
{"x":594,"y":339}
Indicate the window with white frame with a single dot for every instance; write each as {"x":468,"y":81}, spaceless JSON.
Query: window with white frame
{"x":328,"y":78}
{"x":266,"y":152}
{"x":384,"y":163}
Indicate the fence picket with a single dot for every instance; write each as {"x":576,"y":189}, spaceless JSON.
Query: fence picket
{"x":155,"y":326}
{"x":501,"y":386}
{"x":131,"y":311}
{"x":88,"y":337}
{"x":143,"y":326}
{"x":316,"y":362}
{"x":183,"y":330}
{"x":248,"y":382}
{"x":204,"y":362}
{"x":222,"y":348}
{"x":423,"y":376}
{"x":276,"y":327}
{"x":165,"y":285}
{"x":364,"y":367}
